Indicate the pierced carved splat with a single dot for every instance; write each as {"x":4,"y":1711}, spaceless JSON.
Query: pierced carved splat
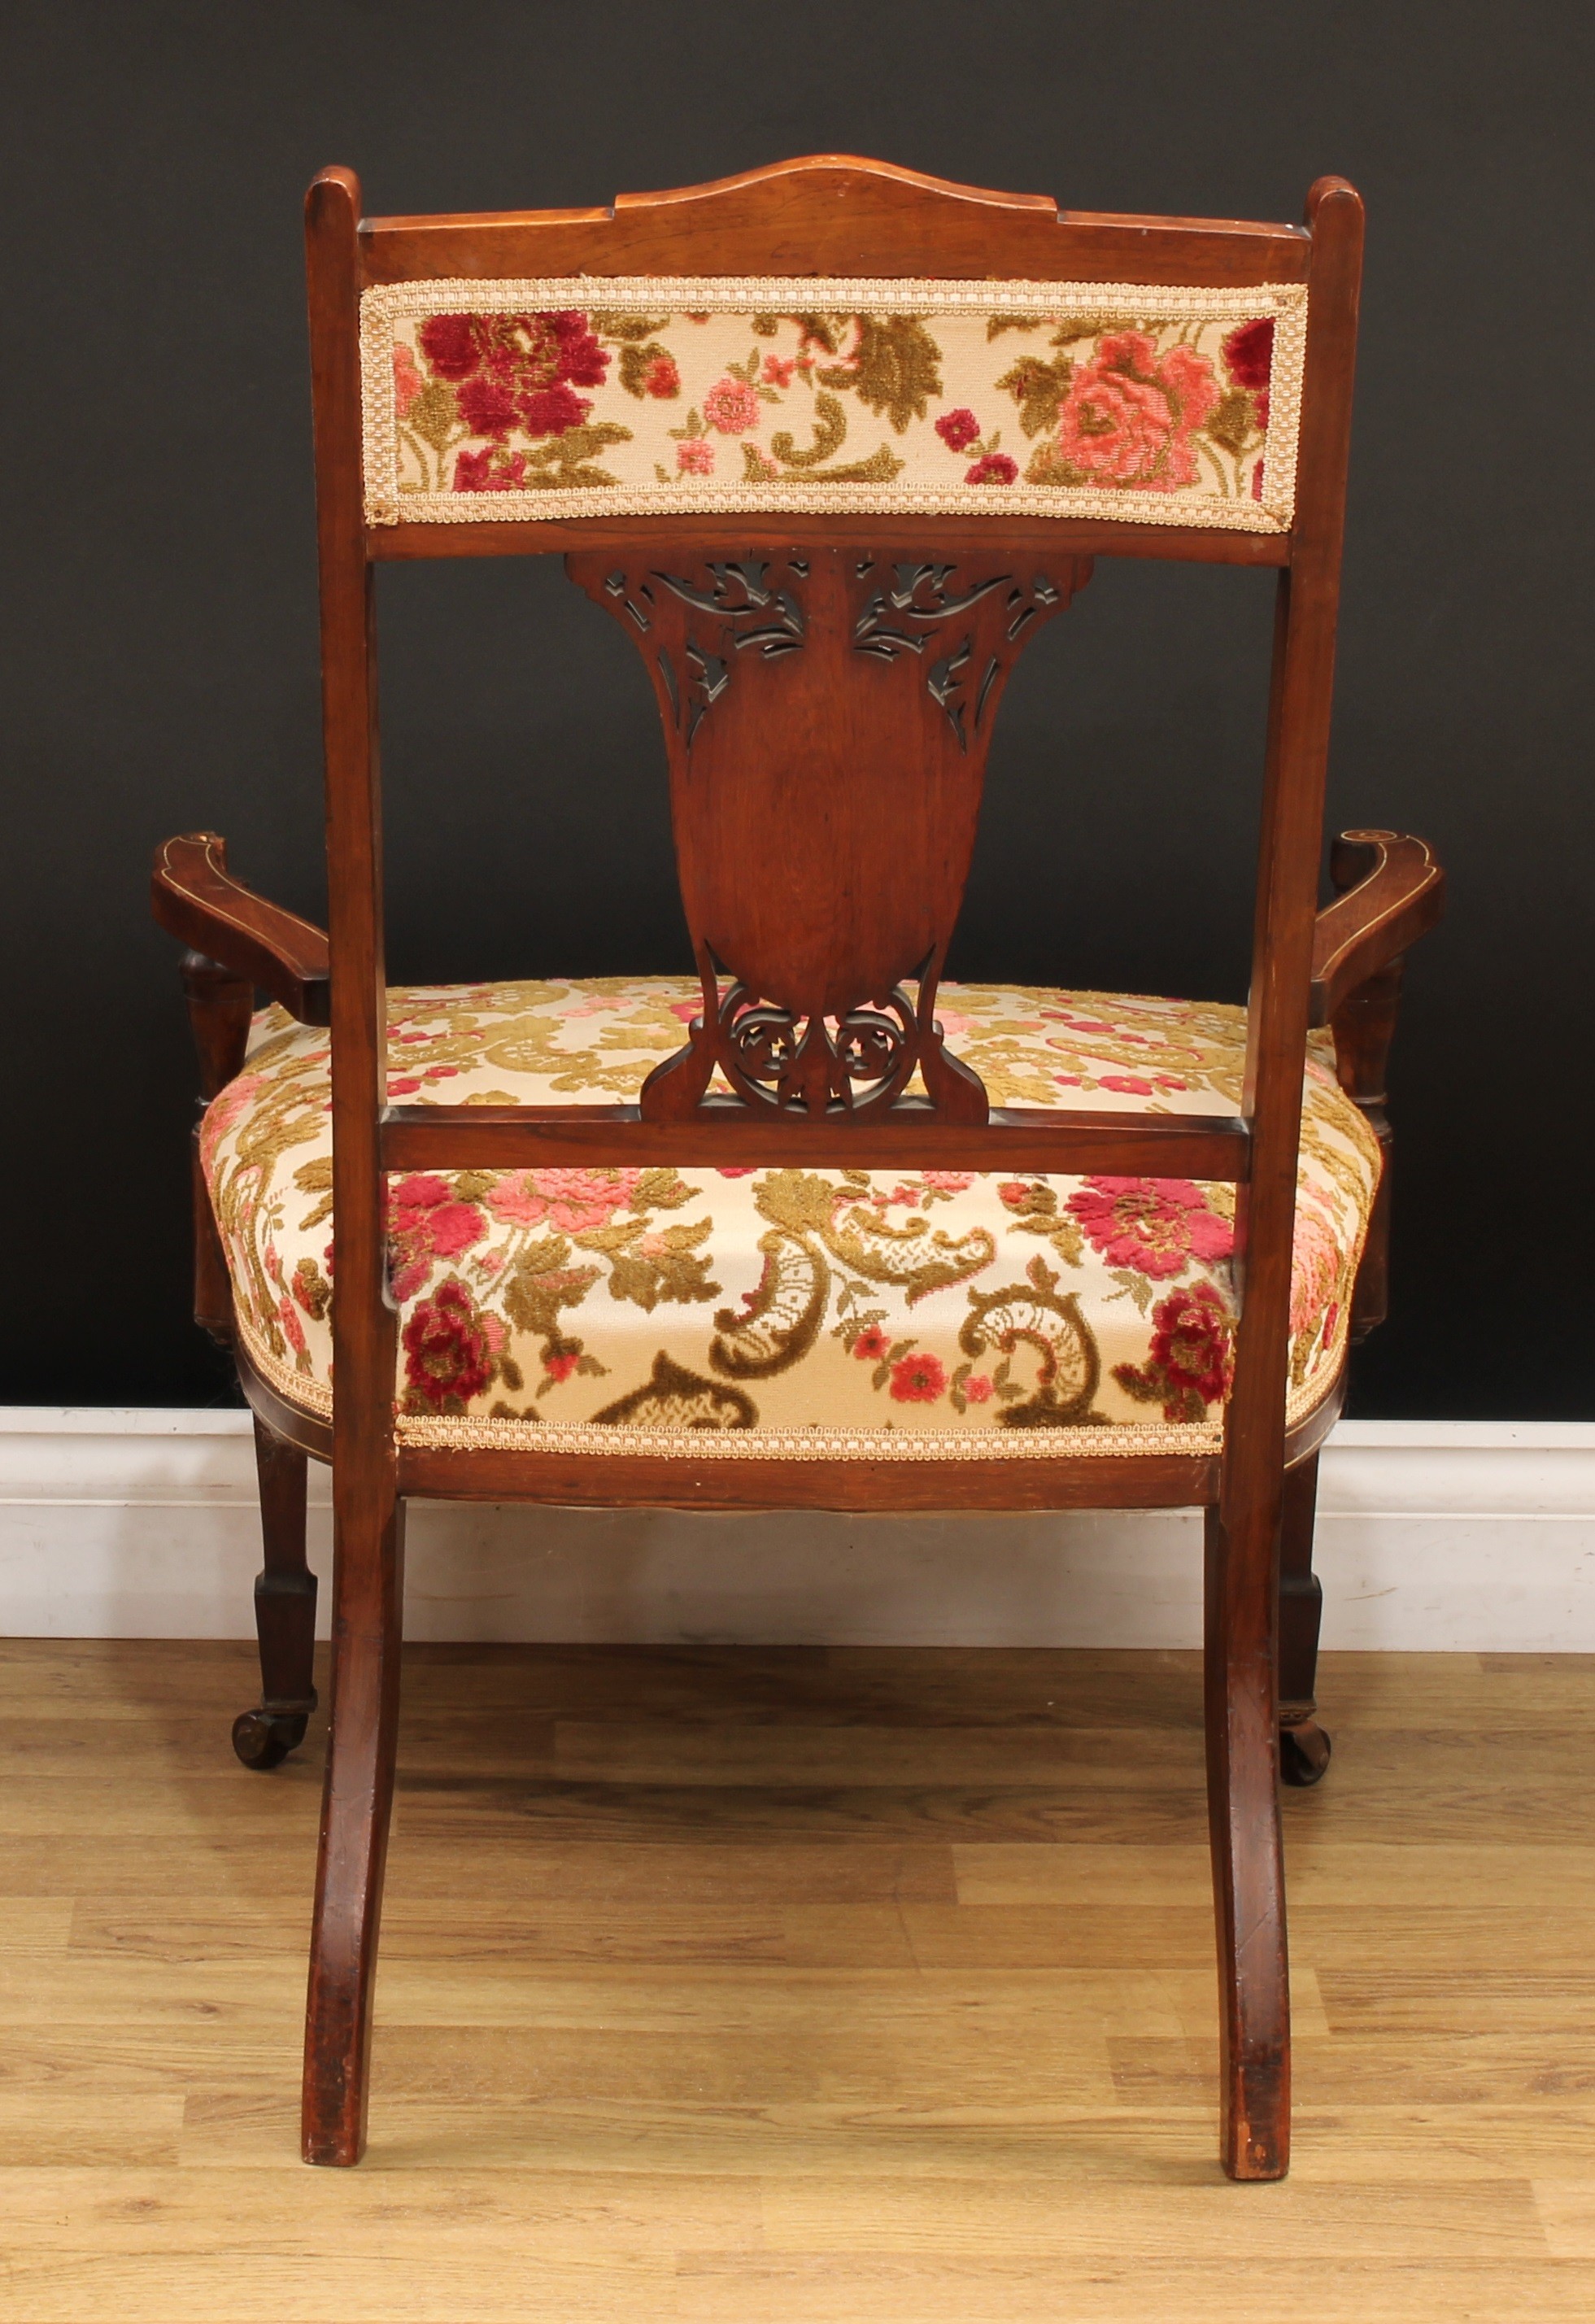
{"x":858,"y":1062}
{"x":748,"y":609}
{"x":827,"y":716}
{"x":911,"y":610}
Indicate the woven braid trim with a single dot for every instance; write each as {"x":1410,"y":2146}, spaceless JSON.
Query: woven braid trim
{"x":699,"y":1445}
{"x":381,"y":306}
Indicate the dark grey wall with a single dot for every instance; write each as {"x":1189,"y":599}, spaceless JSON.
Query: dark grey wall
{"x":159,"y":557}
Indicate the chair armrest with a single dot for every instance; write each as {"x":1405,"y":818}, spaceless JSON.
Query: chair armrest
{"x":195,"y":900}
{"x":1392,"y":891}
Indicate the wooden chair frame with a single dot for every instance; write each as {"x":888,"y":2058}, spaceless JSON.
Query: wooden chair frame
{"x":1340,"y":966}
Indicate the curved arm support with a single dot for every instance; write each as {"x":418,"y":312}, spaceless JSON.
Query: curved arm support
{"x":1391,"y":893}
{"x":195,"y":900}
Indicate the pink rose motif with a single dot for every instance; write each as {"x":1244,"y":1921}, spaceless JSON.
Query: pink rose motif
{"x":978,"y":1390}
{"x":426,"y":1222}
{"x":580,"y":357}
{"x":560,"y":1362}
{"x":949,"y":1181}
{"x":408,"y":382}
{"x":572,"y":1200}
{"x":917,"y":1378}
{"x":695,"y":457}
{"x":551,"y":411}
{"x":1154,"y":1226}
{"x":448,"y":1353}
{"x":1193,"y":1339}
{"x":992,"y":468}
{"x":731,"y":406}
{"x":1130,"y":413}
{"x":293,"y":1331}
{"x":958,"y":429}
{"x":778,"y":371}
{"x":661,"y":378}
{"x":515,"y":371}
{"x":449,"y":343}
{"x":871,"y":1344}
{"x":1127,"y":1084}
{"x":488,"y":409}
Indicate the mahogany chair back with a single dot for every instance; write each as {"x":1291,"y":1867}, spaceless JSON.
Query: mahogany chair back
{"x":828,"y":632}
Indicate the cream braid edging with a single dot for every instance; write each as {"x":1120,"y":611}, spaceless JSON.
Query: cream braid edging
{"x":385,"y":304}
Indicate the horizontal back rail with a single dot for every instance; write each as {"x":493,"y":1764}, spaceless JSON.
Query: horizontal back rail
{"x":906,"y":535}
{"x":727,"y":1136}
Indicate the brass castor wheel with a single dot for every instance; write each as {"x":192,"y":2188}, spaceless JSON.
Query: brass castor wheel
{"x":263,"y":1739}
{"x":1303,"y":1754}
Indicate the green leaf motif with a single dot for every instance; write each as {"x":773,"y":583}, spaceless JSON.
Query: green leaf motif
{"x":1038,"y":389}
{"x":434,"y":416}
{"x":830,"y":432}
{"x":1234,"y":423}
{"x":896,"y":370}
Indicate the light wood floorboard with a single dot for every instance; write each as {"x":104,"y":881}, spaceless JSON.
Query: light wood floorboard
{"x":794,"y":1986}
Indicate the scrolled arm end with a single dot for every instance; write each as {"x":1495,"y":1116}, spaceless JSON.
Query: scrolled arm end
{"x":1391,"y":891}
{"x":196,"y":899}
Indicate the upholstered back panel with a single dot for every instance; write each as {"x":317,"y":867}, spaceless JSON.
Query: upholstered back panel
{"x":667,"y":395}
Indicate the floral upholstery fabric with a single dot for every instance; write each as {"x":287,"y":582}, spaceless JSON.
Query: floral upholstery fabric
{"x":541,"y":399}
{"x":820,"y":1313}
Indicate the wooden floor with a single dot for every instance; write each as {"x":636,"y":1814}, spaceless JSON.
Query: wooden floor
{"x":741,"y":1985}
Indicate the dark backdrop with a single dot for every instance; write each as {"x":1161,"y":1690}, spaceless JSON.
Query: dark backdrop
{"x":160,"y":554}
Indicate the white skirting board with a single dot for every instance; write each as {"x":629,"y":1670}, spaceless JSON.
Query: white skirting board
{"x":1432,"y":1535}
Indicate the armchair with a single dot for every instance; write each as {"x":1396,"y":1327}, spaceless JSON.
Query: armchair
{"x":815,"y":1228}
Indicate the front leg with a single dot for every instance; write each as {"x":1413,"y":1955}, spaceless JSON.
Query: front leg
{"x":1243,"y":1819}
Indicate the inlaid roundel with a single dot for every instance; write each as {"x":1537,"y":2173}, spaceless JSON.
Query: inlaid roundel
{"x":828,"y":713}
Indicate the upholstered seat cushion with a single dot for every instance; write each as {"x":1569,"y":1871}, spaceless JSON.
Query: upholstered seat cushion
{"x":829,"y":1312}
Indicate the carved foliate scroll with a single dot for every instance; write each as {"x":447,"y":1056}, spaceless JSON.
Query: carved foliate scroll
{"x":743,"y":610}
{"x":966,"y":637}
{"x":827,"y":716}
